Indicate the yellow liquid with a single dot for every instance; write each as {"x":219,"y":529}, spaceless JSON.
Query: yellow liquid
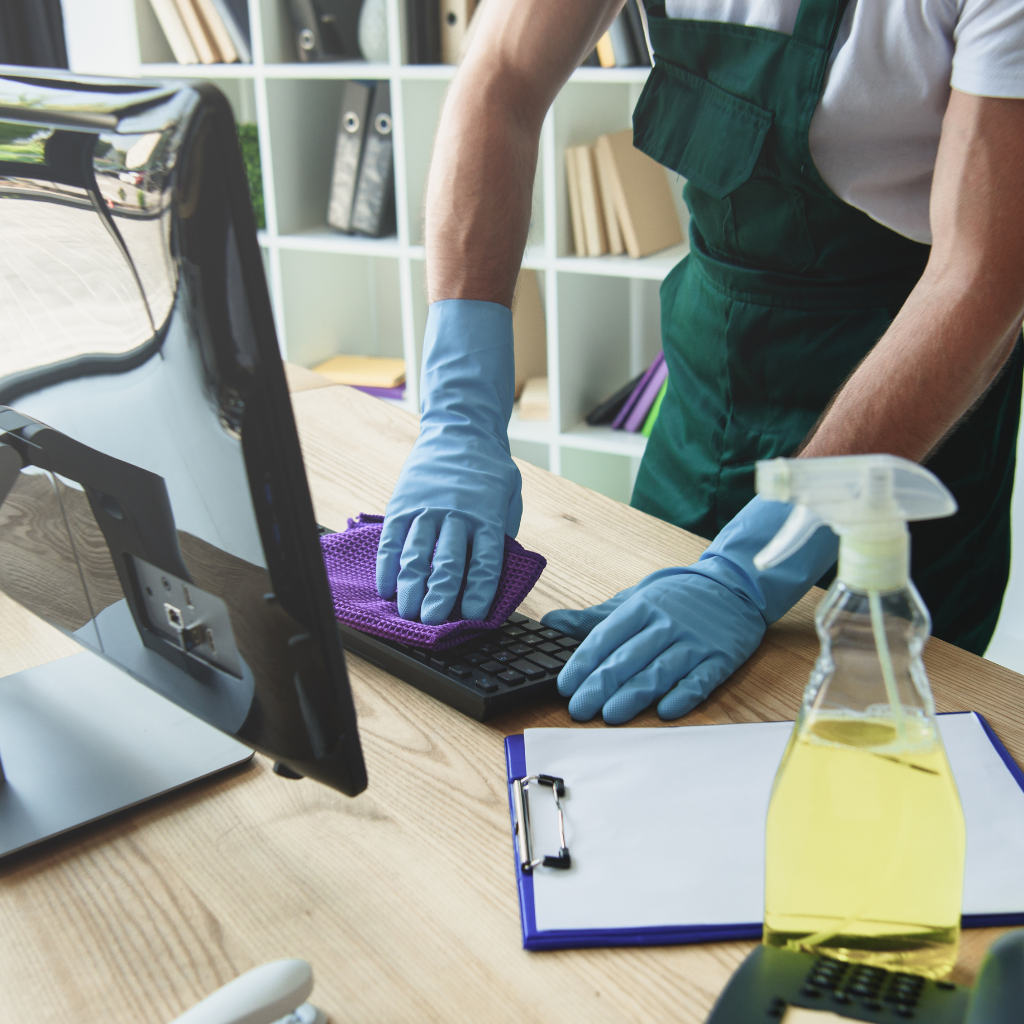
{"x":865,"y":846}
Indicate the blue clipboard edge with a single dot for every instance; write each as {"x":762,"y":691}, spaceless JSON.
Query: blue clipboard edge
{"x":673,"y":935}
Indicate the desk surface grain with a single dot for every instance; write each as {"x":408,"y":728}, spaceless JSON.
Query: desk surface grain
{"x":403,"y":899}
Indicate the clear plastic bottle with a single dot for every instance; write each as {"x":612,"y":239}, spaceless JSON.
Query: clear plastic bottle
{"x":865,"y":835}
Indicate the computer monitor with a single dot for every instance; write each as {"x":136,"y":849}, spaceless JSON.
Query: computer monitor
{"x":153,"y":500}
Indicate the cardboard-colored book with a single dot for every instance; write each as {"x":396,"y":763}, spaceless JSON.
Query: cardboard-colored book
{"x":197,"y":32}
{"x":572,"y":179}
{"x":217,"y":31}
{"x":606,"y":51}
{"x":643,"y":201}
{"x":529,"y":331}
{"x":166,"y":12}
{"x":590,"y":202}
{"x":369,"y":371}
{"x":535,"y":404}
{"x":604,"y":187}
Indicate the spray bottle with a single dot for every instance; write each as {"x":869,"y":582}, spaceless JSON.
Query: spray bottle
{"x":865,"y":835}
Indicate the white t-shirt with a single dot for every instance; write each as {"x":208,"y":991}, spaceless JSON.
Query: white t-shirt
{"x":875,"y":132}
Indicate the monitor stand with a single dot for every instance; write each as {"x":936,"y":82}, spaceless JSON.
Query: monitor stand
{"x":80,"y":739}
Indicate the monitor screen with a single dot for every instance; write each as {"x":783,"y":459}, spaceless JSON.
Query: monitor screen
{"x":156,"y":504}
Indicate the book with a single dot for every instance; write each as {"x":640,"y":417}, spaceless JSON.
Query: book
{"x":348,"y":149}
{"x":655,"y":862}
{"x":326,"y":30}
{"x":178,"y":39}
{"x":606,"y":51}
{"x":534,"y":403}
{"x":365,"y":371}
{"x":373,"y":208}
{"x":455,"y":16}
{"x":611,"y":220}
{"x":529,"y":330}
{"x":645,"y":400}
{"x":636,"y":26}
{"x":217,"y":31}
{"x":590,"y":203}
{"x":197,"y":32}
{"x":621,"y":38}
{"x":627,"y":406}
{"x":423,"y":31}
{"x":643,"y":201}
{"x":227,"y":11}
{"x":652,"y":416}
{"x":604,"y":412}
{"x":572,"y":180}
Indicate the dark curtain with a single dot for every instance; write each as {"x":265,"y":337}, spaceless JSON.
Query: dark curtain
{"x":32,"y":32}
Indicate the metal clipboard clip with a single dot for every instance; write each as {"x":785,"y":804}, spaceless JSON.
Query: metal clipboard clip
{"x":524,"y":844}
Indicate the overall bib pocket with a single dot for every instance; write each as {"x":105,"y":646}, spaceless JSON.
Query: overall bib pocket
{"x":694,"y":127}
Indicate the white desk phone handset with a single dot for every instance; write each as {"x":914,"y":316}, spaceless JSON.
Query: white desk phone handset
{"x":274,"y":993}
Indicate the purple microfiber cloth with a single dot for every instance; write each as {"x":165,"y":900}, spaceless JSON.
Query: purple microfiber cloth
{"x":351,"y":562}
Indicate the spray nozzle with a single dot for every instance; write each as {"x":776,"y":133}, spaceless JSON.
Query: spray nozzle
{"x":866,"y":499}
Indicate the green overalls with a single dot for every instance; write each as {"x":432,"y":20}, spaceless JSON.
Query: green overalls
{"x":785,"y":290}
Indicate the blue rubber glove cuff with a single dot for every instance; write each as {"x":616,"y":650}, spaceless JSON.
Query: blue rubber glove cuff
{"x":680,"y":632}
{"x":459,"y":492}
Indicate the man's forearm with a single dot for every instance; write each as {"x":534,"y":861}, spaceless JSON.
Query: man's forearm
{"x":480,"y":190}
{"x":960,"y":323}
{"x":480,"y":187}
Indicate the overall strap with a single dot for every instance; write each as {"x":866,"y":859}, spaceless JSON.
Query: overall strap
{"x":818,"y":22}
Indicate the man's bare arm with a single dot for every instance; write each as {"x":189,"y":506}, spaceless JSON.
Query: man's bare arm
{"x":961,"y":321}
{"x":480,"y":186}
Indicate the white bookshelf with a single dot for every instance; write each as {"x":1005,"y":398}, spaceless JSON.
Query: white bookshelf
{"x":335,"y":293}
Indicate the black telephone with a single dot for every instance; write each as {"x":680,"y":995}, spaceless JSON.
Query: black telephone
{"x":780,"y":986}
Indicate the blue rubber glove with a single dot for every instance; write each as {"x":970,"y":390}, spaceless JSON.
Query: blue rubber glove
{"x":681,"y":632}
{"x":459,"y":489}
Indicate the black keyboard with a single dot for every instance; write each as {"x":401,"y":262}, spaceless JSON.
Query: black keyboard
{"x":495,"y":671}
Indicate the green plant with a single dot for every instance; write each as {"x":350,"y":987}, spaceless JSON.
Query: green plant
{"x":249,"y":141}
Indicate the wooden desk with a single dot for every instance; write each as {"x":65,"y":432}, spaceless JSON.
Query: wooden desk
{"x":403,"y":899}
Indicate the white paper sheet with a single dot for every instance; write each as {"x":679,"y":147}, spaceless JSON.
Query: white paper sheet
{"x":666,"y":826}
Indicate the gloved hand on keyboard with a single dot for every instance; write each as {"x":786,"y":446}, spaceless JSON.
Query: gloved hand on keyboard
{"x":681,"y":632}
{"x":459,"y":490}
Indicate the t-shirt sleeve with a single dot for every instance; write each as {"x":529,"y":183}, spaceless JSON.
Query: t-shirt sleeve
{"x":988,"y":57}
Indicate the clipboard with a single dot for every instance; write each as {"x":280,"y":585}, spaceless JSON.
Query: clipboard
{"x":544,"y":795}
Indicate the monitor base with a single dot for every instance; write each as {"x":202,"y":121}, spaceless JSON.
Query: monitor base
{"x":80,"y":739}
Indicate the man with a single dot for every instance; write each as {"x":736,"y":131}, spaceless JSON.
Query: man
{"x":855,"y":284}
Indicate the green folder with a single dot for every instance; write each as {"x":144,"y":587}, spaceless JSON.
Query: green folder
{"x":653,"y":414}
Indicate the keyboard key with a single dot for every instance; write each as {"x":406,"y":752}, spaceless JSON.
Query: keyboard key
{"x":475,"y":659}
{"x":529,"y":669}
{"x":564,"y":656}
{"x":532,"y":639}
{"x":506,"y":641}
{"x":488,"y":648}
{"x":518,"y":619}
{"x":487,"y":685}
{"x":460,"y":671}
{"x":519,"y":649}
{"x":492,"y":666}
{"x":505,"y":657}
{"x":510,"y":677}
{"x":545,"y":662}
{"x":568,"y":642}
{"x":441,"y":661}
{"x":418,"y":653}
{"x":530,"y":626}
{"x":549,"y":648}
{"x":550,"y":634}
{"x":513,"y":631}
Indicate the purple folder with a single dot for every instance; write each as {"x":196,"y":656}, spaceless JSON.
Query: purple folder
{"x":635,"y":420}
{"x":624,"y":412}
{"x":398,"y":392}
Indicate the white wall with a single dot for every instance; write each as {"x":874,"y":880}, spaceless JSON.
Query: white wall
{"x":101,"y":36}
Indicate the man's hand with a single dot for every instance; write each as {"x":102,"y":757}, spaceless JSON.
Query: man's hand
{"x":961,"y":321}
